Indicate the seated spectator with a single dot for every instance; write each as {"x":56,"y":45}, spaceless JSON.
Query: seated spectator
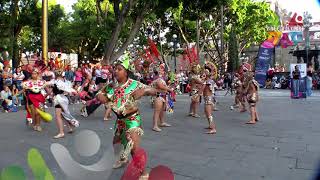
{"x":268,"y":84}
{"x":277,"y":85}
{"x":16,"y":96}
{"x":4,"y":97}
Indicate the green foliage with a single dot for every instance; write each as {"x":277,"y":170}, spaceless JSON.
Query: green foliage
{"x":251,"y":20}
{"x":233,"y":53}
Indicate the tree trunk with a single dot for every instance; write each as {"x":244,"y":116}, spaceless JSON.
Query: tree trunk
{"x":110,"y":45}
{"x":120,"y":17}
{"x":134,"y":30}
{"x":15,"y":34}
{"x":198,"y":38}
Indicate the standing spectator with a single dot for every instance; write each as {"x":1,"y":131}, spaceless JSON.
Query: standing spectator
{"x":87,"y":72}
{"x":48,"y":74}
{"x":69,"y":74}
{"x":18,"y":77}
{"x":93,"y":88}
{"x":78,"y":76}
{"x":27,"y":70}
{"x":227,"y":81}
{"x":58,"y":62}
{"x":98,"y":75}
{"x":104,"y":74}
{"x":309,"y":80}
{"x":296,"y":81}
{"x":7,"y":76}
{"x":51,"y":63}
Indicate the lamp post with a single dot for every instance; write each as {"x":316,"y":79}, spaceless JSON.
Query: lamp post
{"x":307,"y":24}
{"x":175,"y":45}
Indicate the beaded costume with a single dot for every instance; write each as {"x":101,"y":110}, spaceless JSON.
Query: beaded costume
{"x":208,"y":100}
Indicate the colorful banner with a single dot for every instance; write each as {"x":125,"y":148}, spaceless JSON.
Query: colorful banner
{"x":273,"y":39}
{"x":262,"y":64}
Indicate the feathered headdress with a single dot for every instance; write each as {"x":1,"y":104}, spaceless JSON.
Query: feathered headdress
{"x":213,"y":69}
{"x":195,"y":68}
{"x":124,"y":61}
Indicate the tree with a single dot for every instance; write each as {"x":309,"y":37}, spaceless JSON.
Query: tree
{"x":20,"y":25}
{"x":129,"y":15}
{"x":250,"y":20}
{"x":233,"y":54}
{"x":15,"y":14}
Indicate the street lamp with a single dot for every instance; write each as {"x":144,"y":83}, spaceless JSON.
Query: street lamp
{"x":174,"y":43}
{"x":307,"y":24}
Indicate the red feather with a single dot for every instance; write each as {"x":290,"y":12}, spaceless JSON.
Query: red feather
{"x":153,"y":48}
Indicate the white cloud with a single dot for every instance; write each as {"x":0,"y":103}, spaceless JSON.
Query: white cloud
{"x":300,"y":6}
{"x":67,"y":4}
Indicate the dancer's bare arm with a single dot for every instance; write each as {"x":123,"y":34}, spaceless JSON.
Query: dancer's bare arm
{"x":148,"y":91}
{"x":101,"y":96}
{"x":163,"y":87}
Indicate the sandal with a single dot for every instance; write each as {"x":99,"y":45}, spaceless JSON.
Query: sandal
{"x":144,"y":177}
{"x":70,"y":131}
{"x":37,"y":128}
{"x":120,"y":164}
{"x":58,"y":136}
{"x":196,"y":115}
{"x":156,"y":129}
{"x":251,"y":122}
{"x":212,"y":131}
{"x":106,"y":119}
{"x":165,"y":125}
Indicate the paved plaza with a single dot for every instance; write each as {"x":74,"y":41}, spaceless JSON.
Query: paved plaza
{"x":283,"y":145}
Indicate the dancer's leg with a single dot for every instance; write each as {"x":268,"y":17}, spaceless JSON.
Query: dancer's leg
{"x":162,"y":116}
{"x":196,"y":106}
{"x":135,"y":137}
{"x":252,"y":114}
{"x":118,"y":148}
{"x":107,"y":114}
{"x":208,"y":112}
{"x":59,"y":123}
{"x":156,"y":114}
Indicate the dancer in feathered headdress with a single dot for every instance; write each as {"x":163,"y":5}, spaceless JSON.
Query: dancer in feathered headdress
{"x":251,"y":88}
{"x":196,"y":84}
{"x":208,"y":91}
{"x":122,"y":98}
{"x":160,"y":101}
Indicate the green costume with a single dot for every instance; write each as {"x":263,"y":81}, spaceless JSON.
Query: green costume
{"x":121,"y":99}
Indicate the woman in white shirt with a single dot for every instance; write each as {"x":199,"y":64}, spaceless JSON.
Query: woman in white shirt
{"x":18,"y":77}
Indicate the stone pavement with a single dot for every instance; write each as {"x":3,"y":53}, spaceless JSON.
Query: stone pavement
{"x":284,"y":145}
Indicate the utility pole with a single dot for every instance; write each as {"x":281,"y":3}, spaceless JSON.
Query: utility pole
{"x":45,"y":31}
{"x":221,"y":38}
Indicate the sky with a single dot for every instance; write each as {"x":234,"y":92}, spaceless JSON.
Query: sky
{"x":299,"y":6}
{"x":67,"y":4}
